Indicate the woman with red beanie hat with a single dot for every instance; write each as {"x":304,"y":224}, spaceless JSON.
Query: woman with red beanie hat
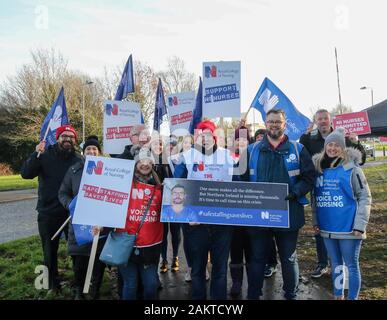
{"x":209,"y":162}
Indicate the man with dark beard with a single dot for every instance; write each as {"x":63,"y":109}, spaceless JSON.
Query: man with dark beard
{"x":276,"y":159}
{"x":51,"y":166}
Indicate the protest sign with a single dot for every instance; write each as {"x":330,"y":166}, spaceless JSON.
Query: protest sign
{"x":118,"y":119}
{"x":103,"y":196}
{"x":355,"y":122}
{"x":180,"y":107}
{"x":221,"y":89}
{"x":225,"y":203}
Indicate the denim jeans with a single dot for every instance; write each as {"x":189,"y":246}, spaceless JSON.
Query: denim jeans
{"x":260,"y":240}
{"x":175,"y":233}
{"x":322,"y":255}
{"x":149,"y":279}
{"x":345,"y":252}
{"x":200,"y":240}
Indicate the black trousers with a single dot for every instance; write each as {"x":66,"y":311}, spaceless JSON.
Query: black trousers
{"x":240,"y":246}
{"x":80,"y":264}
{"x":48,"y":225}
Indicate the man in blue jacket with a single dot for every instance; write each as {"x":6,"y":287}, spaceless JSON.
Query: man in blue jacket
{"x":277,"y":159}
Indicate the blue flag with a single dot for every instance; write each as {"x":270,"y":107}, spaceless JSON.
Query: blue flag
{"x":83,"y":233}
{"x":58,"y":114}
{"x":269,"y":96}
{"x":126,"y":85}
{"x":197,"y":113}
{"x":160,"y":107}
{"x":127,"y":81}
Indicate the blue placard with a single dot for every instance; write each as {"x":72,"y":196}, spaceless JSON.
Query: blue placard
{"x":83,"y":233}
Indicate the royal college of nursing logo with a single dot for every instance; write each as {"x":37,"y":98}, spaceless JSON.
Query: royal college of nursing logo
{"x":111,"y":110}
{"x":94,"y":167}
{"x":320,"y":181}
{"x":198,"y":167}
{"x":210,"y":72}
{"x":172,"y":101}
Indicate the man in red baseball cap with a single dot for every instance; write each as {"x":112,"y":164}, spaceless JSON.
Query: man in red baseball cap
{"x":51,"y":166}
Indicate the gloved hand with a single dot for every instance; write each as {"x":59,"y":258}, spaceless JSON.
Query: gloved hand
{"x":291,"y":196}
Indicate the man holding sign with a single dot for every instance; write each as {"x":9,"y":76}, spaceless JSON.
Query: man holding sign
{"x":51,"y":166}
{"x":276,"y":159}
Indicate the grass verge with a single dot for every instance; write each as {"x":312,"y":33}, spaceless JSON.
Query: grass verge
{"x":15,"y":182}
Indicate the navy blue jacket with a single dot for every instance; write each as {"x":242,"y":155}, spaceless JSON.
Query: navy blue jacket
{"x":271,"y":168}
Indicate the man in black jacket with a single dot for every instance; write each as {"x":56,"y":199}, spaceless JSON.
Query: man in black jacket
{"x":314,"y":143}
{"x":51,"y":166}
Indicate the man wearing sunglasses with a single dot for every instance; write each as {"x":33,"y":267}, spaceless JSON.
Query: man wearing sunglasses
{"x":51,"y":166}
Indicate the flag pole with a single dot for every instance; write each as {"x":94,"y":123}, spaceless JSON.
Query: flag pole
{"x":338,"y":77}
{"x":245,"y":117}
{"x":45,"y":135}
{"x":61,"y":228}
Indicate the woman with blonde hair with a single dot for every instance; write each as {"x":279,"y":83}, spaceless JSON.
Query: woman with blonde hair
{"x":341,"y":206}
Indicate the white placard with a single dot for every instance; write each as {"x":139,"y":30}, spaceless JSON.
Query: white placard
{"x":118,"y":119}
{"x":221,"y":89}
{"x":103,"y":196}
{"x":180,"y":110}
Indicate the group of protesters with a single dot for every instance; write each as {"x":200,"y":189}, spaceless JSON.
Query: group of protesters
{"x":269,"y":156}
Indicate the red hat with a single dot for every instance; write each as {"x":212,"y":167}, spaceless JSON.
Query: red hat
{"x":64,"y":128}
{"x":206,"y":125}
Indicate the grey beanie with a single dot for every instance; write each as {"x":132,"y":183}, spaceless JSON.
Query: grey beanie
{"x":337,"y":136}
{"x":144,"y":153}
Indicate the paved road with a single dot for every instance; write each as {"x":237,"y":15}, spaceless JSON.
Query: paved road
{"x":175,"y":288}
{"x":17,"y":220}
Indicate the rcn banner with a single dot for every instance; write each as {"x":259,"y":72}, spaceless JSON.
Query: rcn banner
{"x":103,"y":195}
{"x":221,"y":89}
{"x":228,"y":203}
{"x":180,"y":108}
{"x":118,"y":118}
{"x":355,"y":122}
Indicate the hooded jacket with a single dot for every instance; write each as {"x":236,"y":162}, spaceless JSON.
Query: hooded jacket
{"x":361,"y":194}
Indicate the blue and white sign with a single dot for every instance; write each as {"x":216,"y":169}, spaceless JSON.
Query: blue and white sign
{"x":221,"y":89}
{"x":226,"y":203}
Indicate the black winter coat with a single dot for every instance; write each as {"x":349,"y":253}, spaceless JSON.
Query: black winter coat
{"x":314,"y":143}
{"x":50,"y":168}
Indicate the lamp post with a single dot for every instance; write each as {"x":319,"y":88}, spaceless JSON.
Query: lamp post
{"x":88,"y":82}
{"x":372,"y":93}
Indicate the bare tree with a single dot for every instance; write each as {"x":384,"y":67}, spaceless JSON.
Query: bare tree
{"x":176,"y":78}
{"x":340,"y":109}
